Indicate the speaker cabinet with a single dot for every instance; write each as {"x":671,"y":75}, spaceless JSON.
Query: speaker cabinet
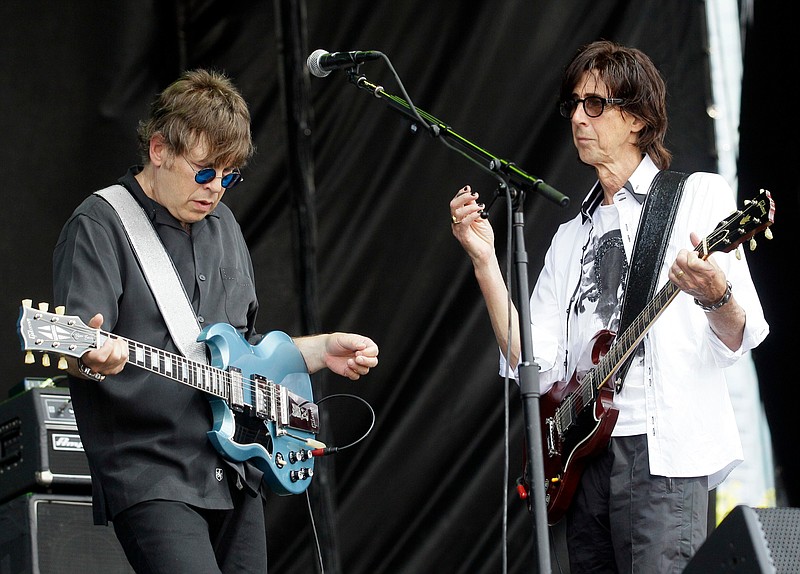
{"x":40,"y":448}
{"x":751,"y":541}
{"x":48,"y":534}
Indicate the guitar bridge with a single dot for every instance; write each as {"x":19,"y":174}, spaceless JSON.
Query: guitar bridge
{"x":550,"y":436}
{"x":297,"y":413}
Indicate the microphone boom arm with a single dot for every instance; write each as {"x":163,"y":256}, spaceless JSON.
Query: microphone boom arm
{"x":490,"y":163}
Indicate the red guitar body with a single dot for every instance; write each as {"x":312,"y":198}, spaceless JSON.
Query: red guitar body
{"x":591,"y":420}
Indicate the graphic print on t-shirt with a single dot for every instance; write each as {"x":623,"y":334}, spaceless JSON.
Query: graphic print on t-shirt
{"x":605,"y":269}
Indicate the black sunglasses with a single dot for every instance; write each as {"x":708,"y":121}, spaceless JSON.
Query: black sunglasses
{"x":592,"y":105}
{"x":208,"y":174}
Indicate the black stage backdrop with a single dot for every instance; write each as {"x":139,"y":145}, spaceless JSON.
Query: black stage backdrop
{"x":345,"y":210}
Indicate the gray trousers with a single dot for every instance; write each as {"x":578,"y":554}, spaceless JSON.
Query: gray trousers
{"x":624,"y":520}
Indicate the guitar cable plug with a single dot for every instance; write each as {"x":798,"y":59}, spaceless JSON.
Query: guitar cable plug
{"x":325,"y":451}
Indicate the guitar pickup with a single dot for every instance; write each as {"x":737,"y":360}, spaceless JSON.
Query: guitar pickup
{"x":273,"y":402}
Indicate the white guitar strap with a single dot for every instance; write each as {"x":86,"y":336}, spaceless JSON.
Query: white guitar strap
{"x":159,"y":271}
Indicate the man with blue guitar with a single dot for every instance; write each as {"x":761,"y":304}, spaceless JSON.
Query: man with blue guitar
{"x":638,"y":427}
{"x":181,"y":441}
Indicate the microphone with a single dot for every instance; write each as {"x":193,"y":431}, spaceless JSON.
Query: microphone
{"x":320,"y":63}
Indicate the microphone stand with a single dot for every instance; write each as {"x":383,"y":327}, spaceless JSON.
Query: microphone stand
{"x":529,"y":388}
{"x":516,"y":183}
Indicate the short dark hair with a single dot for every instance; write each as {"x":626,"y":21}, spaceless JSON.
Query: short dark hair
{"x":631,"y":75}
{"x":200,"y":107}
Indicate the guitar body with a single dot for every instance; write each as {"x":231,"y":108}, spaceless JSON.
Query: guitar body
{"x":567,"y":453}
{"x":243,"y":435}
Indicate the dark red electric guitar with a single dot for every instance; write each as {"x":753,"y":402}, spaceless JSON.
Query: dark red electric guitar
{"x":577,"y":416}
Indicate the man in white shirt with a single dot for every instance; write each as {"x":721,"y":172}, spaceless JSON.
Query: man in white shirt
{"x":640,"y":504}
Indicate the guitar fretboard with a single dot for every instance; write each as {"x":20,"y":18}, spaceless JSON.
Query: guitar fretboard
{"x":630,"y":339}
{"x":567,"y":413}
{"x":259,"y":394}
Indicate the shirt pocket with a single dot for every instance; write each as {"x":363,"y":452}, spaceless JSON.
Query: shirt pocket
{"x":239,"y":294}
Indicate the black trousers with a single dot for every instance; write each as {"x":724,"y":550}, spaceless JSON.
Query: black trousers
{"x":167,"y":537}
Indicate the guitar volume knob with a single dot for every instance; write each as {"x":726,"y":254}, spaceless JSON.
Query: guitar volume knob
{"x":299,"y":455}
{"x":300,"y":474}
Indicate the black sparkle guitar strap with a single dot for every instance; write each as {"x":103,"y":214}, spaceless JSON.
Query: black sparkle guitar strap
{"x":649,"y":247}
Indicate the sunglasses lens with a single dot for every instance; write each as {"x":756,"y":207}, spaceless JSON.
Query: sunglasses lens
{"x":593,"y":106}
{"x":205,"y":175}
{"x":231,"y":179}
{"x":566,"y":108}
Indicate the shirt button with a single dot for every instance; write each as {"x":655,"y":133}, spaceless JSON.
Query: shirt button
{"x":201,"y":277}
{"x":200,"y":319}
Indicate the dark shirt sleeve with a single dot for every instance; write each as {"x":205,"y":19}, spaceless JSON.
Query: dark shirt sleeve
{"x":82,"y":282}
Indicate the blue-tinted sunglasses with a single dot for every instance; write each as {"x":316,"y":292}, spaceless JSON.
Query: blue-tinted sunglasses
{"x":207,"y":174}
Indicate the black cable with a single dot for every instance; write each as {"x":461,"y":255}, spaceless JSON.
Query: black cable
{"x":333,"y":449}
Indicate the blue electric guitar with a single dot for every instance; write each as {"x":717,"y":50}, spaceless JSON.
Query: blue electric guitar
{"x":260,"y":394}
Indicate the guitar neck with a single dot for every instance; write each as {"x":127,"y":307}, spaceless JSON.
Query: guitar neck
{"x":175,"y":367}
{"x":254,"y":392}
{"x":267,"y":399}
{"x":627,"y":342}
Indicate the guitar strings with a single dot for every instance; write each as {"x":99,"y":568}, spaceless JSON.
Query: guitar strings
{"x":213,"y":379}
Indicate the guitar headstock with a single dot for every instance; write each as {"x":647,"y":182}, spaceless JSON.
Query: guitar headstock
{"x":45,"y":332}
{"x":742,"y":225}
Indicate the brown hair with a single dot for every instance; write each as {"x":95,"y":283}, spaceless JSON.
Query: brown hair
{"x":200,"y":107}
{"x":631,"y":75}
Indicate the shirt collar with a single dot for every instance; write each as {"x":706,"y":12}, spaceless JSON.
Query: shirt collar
{"x":637,"y":187}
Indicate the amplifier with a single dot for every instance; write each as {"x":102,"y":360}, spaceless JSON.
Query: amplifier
{"x":40,"y":449}
{"x":48,"y":533}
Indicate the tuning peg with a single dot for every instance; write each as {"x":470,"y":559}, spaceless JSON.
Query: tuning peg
{"x":62,"y":363}
{"x":29,"y":358}
{"x":45,"y":360}
{"x":768,"y":233}
{"x":738,"y":253}
{"x":60,"y":310}
{"x":44,"y":306}
{"x":27,"y":302}
{"x":752,"y":244}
